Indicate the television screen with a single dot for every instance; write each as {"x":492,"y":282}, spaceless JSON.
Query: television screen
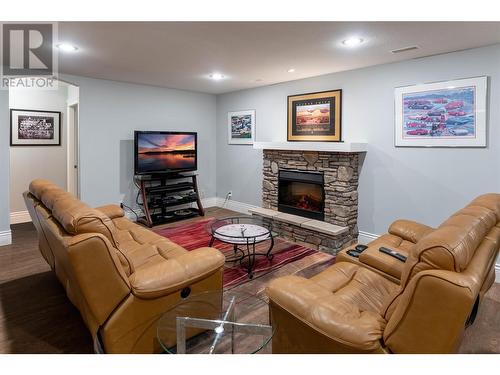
{"x":164,"y":152}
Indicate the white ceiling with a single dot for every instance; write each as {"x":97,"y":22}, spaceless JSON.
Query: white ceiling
{"x":250,"y":54}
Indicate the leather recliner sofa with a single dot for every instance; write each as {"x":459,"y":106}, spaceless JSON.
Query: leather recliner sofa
{"x":378,"y":304}
{"x":121,"y":276}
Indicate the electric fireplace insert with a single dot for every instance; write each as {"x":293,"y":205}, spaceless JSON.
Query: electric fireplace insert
{"x":301,"y":193}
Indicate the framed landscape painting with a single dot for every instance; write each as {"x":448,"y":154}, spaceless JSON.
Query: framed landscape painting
{"x":241,"y":127}
{"x":35,"y":128}
{"x":442,"y":114}
{"x":315,"y":116}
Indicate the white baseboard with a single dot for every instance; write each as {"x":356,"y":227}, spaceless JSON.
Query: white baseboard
{"x":365,"y":237}
{"x":5,"y":238}
{"x":235,"y":205}
{"x":20,"y":217}
{"x":210,"y":202}
{"x":497,"y":273}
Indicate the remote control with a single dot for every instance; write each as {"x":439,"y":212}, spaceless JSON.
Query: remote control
{"x":353,"y":253}
{"x":393,"y":253}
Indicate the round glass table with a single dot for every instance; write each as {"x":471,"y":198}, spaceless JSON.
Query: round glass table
{"x":216,"y":323}
{"x":244,"y":233}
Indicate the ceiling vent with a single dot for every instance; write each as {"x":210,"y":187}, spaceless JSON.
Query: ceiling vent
{"x":404,"y":49}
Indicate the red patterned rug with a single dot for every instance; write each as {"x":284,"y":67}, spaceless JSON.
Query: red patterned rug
{"x":194,"y":235}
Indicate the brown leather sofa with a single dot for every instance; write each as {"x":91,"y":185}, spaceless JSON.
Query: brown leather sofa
{"x":121,"y":276}
{"x":377,"y":304}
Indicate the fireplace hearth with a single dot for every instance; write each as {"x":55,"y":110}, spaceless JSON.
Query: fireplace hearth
{"x":301,"y":193}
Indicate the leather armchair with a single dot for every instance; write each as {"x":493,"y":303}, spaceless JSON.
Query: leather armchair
{"x":352,"y":307}
{"x":121,"y":276}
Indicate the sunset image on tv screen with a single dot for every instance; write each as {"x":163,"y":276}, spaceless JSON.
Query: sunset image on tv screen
{"x":164,"y":152}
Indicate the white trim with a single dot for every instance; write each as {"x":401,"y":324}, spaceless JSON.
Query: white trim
{"x":210,"y":202}
{"x":20,"y":217}
{"x":235,"y":205}
{"x":313,"y":146}
{"x":5,"y":238}
{"x":365,"y":237}
{"x":497,"y":273}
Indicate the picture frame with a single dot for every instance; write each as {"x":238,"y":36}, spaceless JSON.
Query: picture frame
{"x":35,"y":127}
{"x":241,"y":127}
{"x":441,"y":114}
{"x":315,"y":116}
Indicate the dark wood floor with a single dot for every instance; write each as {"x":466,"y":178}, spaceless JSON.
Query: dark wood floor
{"x":37,"y":317}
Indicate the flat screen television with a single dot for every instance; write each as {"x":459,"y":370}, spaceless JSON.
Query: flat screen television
{"x":162,"y":152}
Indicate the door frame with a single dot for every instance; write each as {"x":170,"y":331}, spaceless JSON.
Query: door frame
{"x":71,"y":108}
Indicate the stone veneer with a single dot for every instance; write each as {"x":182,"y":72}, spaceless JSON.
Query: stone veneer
{"x":341,"y":172}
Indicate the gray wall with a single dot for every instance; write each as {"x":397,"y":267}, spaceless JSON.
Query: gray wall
{"x":4,"y":161}
{"x":28,"y":163}
{"x":426,"y":185}
{"x":111,"y":111}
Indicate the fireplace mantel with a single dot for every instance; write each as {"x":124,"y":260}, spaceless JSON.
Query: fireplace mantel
{"x":347,"y":147}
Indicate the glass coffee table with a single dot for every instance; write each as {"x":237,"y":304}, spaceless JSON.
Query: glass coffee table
{"x":216,"y":323}
{"x":244,"y":233}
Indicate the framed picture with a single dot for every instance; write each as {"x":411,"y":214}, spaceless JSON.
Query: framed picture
{"x":315,"y":116}
{"x":442,"y":114}
{"x":35,"y":128}
{"x":241,"y":127}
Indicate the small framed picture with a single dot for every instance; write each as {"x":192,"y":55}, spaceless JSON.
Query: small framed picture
{"x":441,"y":114}
{"x":35,"y":128}
{"x":315,"y":116}
{"x":241,"y":127}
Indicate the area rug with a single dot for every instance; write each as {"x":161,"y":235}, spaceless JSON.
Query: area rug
{"x":194,"y":235}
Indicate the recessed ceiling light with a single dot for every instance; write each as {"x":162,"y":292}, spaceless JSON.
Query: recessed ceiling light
{"x":352,"y":42}
{"x":66,"y":47}
{"x":291,"y":70}
{"x":216,"y":76}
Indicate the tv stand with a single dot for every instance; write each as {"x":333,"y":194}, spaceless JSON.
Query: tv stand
{"x":163,"y":195}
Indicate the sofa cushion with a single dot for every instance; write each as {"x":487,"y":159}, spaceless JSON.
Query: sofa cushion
{"x":160,"y":276}
{"x":409,"y":230}
{"x":452,"y":246}
{"x":71,"y":213}
{"x":343,"y":302}
{"x":139,"y":246}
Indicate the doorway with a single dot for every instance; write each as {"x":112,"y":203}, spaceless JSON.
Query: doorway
{"x":56,"y":161}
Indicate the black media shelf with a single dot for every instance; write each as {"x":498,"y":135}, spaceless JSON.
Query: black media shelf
{"x":161,"y":193}
{"x":171,"y":216}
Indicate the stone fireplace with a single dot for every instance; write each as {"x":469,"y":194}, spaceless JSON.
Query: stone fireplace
{"x":322,"y":185}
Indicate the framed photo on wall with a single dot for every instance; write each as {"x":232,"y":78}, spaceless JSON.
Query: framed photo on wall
{"x":241,"y":127}
{"x":442,"y":114}
{"x":315,"y":116}
{"x":35,"y":128}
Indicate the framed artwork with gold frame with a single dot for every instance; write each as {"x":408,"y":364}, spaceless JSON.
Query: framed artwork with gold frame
{"x":315,"y":116}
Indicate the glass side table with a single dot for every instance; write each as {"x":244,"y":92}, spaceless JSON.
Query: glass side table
{"x":222,"y":323}
{"x":244,"y":233}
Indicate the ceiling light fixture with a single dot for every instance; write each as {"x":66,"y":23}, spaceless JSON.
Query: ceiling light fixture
{"x":291,"y":70}
{"x":66,"y":47}
{"x":352,"y":42}
{"x":216,"y":76}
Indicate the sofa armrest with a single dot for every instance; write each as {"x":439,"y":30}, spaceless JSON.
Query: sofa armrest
{"x":161,"y":278}
{"x":112,"y":211}
{"x":325,"y":313}
{"x":409,"y":230}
